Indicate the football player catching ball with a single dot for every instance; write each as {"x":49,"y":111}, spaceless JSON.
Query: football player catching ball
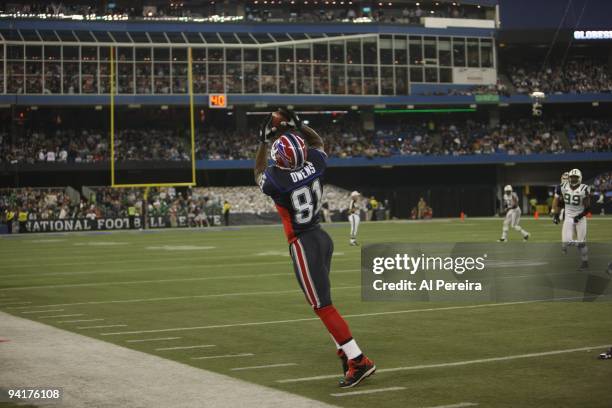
{"x":294,"y":182}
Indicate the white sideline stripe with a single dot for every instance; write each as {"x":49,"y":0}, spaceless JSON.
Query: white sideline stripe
{"x":80,"y":320}
{"x":79,"y":285}
{"x":64,"y":315}
{"x":307,"y":319}
{"x":263,"y":366}
{"x":184,"y":347}
{"x":455,"y":364}
{"x":223,"y":356}
{"x":42,"y":311}
{"x":213,"y":295}
{"x":156,"y":339}
{"x":361,"y":392}
{"x":102,"y":327}
{"x":458,"y":405}
{"x":14,"y":303}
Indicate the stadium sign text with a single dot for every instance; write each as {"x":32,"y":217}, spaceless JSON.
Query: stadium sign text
{"x":593,"y":35}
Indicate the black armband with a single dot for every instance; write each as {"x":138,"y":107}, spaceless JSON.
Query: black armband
{"x":582,"y":214}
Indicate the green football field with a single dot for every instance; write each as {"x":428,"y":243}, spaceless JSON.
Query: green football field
{"x":227,"y":299}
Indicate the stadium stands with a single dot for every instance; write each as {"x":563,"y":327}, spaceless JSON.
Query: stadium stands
{"x":254,"y":11}
{"x":105,"y":202}
{"x":525,"y":136}
{"x":576,"y":76}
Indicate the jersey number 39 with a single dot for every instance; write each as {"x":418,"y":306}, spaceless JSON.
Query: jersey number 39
{"x":306,"y":202}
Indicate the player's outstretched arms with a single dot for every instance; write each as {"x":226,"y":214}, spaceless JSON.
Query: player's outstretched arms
{"x":266,"y":130}
{"x":311,"y":137}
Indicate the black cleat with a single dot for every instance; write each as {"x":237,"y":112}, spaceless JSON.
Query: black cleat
{"x":584,"y":266}
{"x":502,"y":240}
{"x":606,"y":355}
{"x":344,"y":360}
{"x":357,"y":372}
{"x":526,"y":237}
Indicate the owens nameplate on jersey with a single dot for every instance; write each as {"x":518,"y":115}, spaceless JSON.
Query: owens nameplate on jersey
{"x":511,"y":272}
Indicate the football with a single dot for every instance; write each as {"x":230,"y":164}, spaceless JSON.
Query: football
{"x":277,"y":120}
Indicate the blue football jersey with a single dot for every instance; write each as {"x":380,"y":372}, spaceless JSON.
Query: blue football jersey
{"x":297,"y":194}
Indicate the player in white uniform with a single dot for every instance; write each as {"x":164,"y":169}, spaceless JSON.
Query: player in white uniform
{"x":513,"y":215}
{"x":354,"y":218}
{"x":577,"y":198}
{"x":559,"y":215}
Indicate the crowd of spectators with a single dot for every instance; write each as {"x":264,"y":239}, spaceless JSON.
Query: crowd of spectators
{"x":42,"y":203}
{"x":411,"y":14}
{"x":575,"y":76}
{"x":590,"y":135}
{"x":256,"y":11}
{"x":196,"y":205}
{"x":603,"y":182}
{"x":90,"y":146}
{"x":344,"y":140}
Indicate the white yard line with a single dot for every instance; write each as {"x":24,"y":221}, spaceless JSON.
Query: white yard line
{"x":94,"y":284}
{"x":369,"y":391}
{"x":155,"y":339}
{"x":157,"y":299}
{"x":307,"y":319}
{"x":43,"y":311}
{"x":64,"y":315}
{"x":184,"y":347}
{"x":140,"y":260}
{"x":455,"y":363}
{"x":263,"y":366}
{"x":102,"y":327}
{"x":223,"y":356}
{"x":457,"y":405}
{"x":14,"y":303}
{"x":95,"y":373}
{"x":80,"y":320}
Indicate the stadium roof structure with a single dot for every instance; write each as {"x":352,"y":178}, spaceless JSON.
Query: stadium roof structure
{"x":203,"y":33}
{"x":160,"y":37}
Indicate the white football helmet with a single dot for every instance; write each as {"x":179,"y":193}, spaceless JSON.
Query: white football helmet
{"x":565,"y":177}
{"x":575,"y":177}
{"x":355,"y":194}
{"x":508,"y":189}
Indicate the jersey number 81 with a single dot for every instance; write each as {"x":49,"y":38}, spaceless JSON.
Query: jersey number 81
{"x":306,"y":202}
